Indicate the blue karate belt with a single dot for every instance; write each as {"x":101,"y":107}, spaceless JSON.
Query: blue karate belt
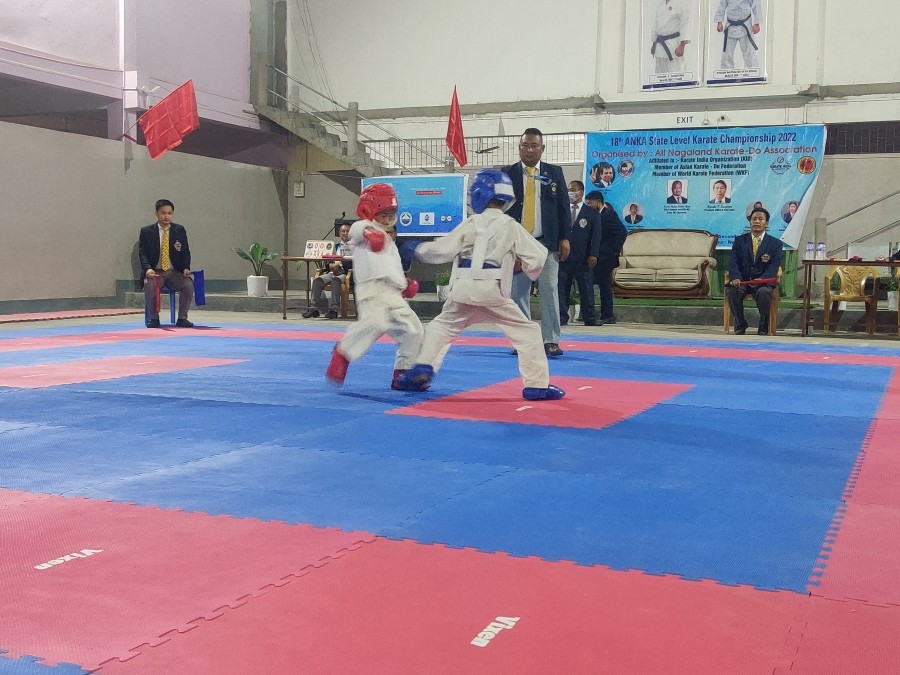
{"x":661,"y":40}
{"x":734,"y":24}
{"x":467,"y":262}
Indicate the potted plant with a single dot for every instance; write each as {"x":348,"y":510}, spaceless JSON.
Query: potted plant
{"x":442,"y":284}
{"x":891,"y":285}
{"x":257,"y":284}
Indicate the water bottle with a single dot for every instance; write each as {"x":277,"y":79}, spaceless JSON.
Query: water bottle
{"x":820,"y":251}
{"x":810,"y":250}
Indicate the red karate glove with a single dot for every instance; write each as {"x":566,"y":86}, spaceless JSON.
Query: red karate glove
{"x":375,"y":238}
{"x":412,"y":287}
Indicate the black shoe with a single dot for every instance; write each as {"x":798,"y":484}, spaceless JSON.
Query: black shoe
{"x":514,"y":352}
{"x":762,"y":331}
{"x":331,"y":314}
{"x":592,"y":322}
{"x":564,"y":322}
{"x":183,"y":323}
{"x":609,"y":319}
{"x":740,"y":331}
{"x":153,"y":323}
{"x":552,"y":349}
{"x":311,"y":313}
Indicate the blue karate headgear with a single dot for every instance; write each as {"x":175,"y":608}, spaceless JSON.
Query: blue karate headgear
{"x":490,"y":184}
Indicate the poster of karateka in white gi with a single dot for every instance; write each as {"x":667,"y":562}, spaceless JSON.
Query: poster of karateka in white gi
{"x":736,"y":42}
{"x":670,"y":51}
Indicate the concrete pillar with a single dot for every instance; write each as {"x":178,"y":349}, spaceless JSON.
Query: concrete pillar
{"x":352,"y":131}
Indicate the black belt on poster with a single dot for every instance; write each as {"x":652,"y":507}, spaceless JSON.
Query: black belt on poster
{"x":743,"y":24}
{"x":661,"y":40}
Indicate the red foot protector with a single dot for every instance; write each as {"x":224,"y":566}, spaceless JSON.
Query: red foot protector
{"x":402,"y":607}
{"x":86,"y":581}
{"x":589,"y":403}
{"x":837,"y":638}
{"x":93,"y":370}
{"x":13,"y":497}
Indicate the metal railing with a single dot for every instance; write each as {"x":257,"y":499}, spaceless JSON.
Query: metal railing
{"x":863,"y":213}
{"x":482,"y":151}
{"x":343,"y":122}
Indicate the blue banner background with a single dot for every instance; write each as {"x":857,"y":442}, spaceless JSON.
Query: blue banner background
{"x":772,"y":165}
{"x":430,"y":205}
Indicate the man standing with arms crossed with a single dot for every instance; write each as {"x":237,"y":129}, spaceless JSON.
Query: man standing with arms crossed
{"x":542,"y":208}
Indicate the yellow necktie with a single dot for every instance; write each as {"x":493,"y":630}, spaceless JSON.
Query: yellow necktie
{"x":165,"y":263}
{"x":755,"y":245}
{"x":528,"y":207}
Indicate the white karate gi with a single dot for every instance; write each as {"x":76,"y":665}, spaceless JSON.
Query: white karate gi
{"x":742,"y":14}
{"x":672,"y":17}
{"x":492,"y":241}
{"x":378,"y":283}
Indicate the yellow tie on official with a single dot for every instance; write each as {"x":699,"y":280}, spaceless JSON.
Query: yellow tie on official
{"x":755,"y":245}
{"x":528,"y":206}
{"x":165,"y":263}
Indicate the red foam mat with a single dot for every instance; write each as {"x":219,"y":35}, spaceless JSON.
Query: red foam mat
{"x":864,"y":561}
{"x":844,"y":638}
{"x":93,"y":370}
{"x":402,"y":607}
{"x":589,"y":403}
{"x":84,"y":581}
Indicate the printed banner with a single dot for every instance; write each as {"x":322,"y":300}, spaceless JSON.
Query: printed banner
{"x":430,"y":205}
{"x":670,"y":51}
{"x":708,"y":179}
{"x":736,"y":43}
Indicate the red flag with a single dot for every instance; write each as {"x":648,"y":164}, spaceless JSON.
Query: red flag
{"x":170,"y":120}
{"x":455,"y":140}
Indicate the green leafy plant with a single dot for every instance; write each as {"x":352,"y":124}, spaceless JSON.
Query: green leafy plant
{"x":890,"y":283}
{"x":258,"y":256}
{"x":442,"y":278}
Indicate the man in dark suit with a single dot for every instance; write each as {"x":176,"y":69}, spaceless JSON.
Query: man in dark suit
{"x":542,"y":208}
{"x":755,"y":255}
{"x":584,"y":247}
{"x":612,"y":238}
{"x":675,"y":197}
{"x":633,"y":217}
{"x":720,"y":187}
{"x":166,"y":259}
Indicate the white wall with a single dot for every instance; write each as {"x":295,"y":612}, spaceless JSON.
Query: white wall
{"x":86,"y":31}
{"x":73,"y":205}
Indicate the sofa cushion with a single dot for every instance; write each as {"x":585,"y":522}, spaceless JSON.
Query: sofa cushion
{"x":662,"y":262}
{"x":678,"y":276}
{"x":668,"y":243}
{"x":632,"y":275}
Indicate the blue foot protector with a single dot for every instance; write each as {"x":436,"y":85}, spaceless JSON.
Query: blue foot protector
{"x":417,"y":378}
{"x":551,"y":393}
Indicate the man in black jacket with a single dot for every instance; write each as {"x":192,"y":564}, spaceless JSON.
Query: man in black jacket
{"x":613,"y":235}
{"x":166,"y":259}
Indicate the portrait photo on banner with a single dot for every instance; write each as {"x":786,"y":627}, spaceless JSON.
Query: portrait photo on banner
{"x":670,"y":50}
{"x":736,"y":42}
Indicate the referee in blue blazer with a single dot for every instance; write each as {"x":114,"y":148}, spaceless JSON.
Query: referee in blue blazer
{"x":549,"y":223}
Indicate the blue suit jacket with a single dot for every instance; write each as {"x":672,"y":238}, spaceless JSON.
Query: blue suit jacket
{"x":768,"y":259}
{"x":554,"y":196}
{"x":585,"y":235}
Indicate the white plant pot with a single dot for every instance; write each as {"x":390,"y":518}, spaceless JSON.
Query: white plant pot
{"x":257,"y":287}
{"x":443,"y":292}
{"x":892,"y":298}
{"x":574,"y":311}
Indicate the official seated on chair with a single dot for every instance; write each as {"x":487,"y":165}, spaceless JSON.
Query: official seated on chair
{"x":756,"y":259}
{"x":850,"y":281}
{"x":335,"y":276}
{"x":773,"y":307}
{"x":165,"y":259}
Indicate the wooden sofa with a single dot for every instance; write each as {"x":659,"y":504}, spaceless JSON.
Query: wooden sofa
{"x":665,"y":264}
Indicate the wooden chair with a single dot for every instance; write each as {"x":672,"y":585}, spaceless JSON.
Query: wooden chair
{"x":773,"y":308}
{"x":851,"y":288}
{"x":346,"y":289}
